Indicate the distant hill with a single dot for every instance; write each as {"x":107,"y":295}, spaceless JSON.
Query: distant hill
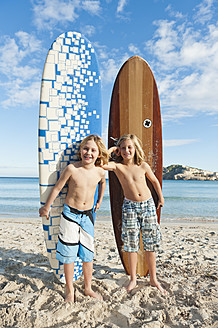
{"x":181,"y":172}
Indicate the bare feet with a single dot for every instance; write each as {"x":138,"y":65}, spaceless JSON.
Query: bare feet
{"x":131,"y":285}
{"x":158,"y":286}
{"x":69,"y":295}
{"x":91,"y":293}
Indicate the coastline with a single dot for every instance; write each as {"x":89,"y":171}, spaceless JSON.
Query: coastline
{"x":186,"y":266}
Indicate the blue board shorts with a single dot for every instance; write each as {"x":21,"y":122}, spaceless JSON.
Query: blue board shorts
{"x":138,"y":216}
{"x":76,"y":237}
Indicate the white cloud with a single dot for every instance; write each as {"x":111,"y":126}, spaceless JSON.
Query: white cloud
{"x":48,"y":13}
{"x":173,"y":13}
{"x":28,"y":42}
{"x":22,"y":94}
{"x":165,"y":43}
{"x":121,"y":5}
{"x":92,"y":6}
{"x":110,"y":62}
{"x":185,"y":58}
{"x":179,"y":142}
{"x":87,"y":30}
{"x":110,"y":70}
{"x":204,"y":11}
{"x":102,"y":51}
{"x":19,"y":74}
{"x":135,"y":50}
{"x":14,"y":50}
{"x":110,"y":67}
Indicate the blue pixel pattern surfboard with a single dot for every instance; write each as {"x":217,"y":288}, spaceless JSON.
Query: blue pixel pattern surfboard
{"x":70,"y":109}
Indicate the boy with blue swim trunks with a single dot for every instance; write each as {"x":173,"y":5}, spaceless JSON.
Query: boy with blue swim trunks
{"x":76,"y":237}
{"x":138,"y":212}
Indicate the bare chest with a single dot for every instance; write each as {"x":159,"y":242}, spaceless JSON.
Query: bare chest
{"x":132,"y":175}
{"x":84,"y":179}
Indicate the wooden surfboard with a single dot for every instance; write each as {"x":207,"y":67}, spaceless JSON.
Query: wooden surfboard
{"x":70,"y":109}
{"x":135,"y":109}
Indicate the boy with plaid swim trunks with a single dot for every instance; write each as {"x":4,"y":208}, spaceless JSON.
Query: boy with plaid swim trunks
{"x":76,"y":225}
{"x":138,"y":211}
{"x":136,"y":217}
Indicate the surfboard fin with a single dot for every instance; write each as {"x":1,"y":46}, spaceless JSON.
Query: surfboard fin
{"x":115,"y":140}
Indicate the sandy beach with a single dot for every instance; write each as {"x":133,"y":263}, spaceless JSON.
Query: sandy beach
{"x":186,"y":266}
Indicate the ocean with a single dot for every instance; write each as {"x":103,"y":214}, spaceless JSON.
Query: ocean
{"x":184,"y":200}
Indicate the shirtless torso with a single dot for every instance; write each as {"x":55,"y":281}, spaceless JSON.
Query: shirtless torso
{"x":82,"y":178}
{"x":133,"y":182}
{"x":82,"y":183}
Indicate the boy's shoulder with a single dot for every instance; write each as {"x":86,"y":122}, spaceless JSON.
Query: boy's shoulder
{"x":74,"y":165}
{"x":145,"y":165}
{"x":100,"y":170}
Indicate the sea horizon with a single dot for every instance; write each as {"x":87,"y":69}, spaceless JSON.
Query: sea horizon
{"x":37,"y":176}
{"x":184,"y":200}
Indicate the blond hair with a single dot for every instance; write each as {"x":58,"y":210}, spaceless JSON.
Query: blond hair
{"x":103,"y":153}
{"x":139,"y":153}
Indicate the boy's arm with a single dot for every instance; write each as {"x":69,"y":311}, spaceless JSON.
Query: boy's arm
{"x":150,"y":175}
{"x":111,"y":166}
{"x":101,"y":189}
{"x":113,"y":149}
{"x":44,"y":210}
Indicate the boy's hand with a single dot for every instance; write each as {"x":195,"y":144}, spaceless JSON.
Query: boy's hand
{"x":115,"y":150}
{"x":160,"y":203}
{"x":97,"y":206}
{"x":43,"y":211}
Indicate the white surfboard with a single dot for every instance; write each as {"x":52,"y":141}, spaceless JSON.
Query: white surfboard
{"x":70,"y":109}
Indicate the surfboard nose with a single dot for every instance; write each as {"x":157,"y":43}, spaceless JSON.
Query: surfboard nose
{"x":135,"y":57}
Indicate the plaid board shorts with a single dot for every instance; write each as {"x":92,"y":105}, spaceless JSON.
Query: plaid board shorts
{"x":138,"y":216}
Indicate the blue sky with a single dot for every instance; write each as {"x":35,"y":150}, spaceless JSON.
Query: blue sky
{"x":179,"y":40}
